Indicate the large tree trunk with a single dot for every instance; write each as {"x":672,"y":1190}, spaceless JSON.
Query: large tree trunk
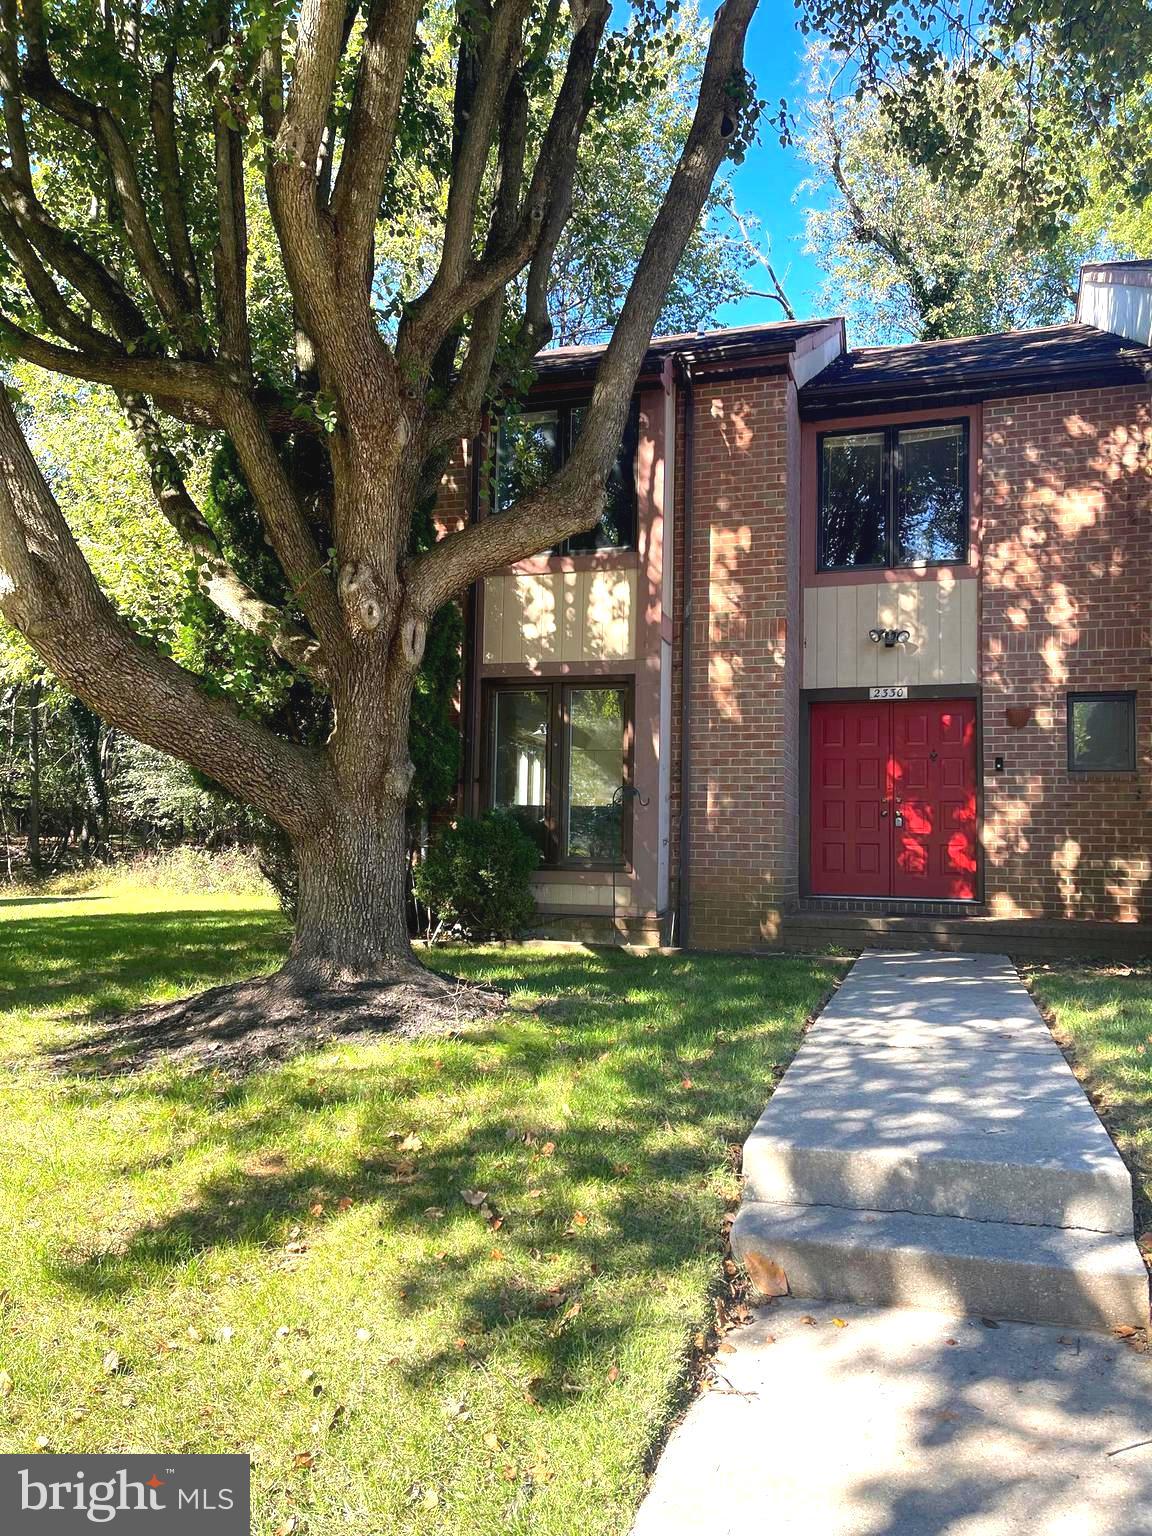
{"x":351,"y":919}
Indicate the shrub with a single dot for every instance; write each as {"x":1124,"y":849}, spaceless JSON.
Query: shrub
{"x":477,"y":877}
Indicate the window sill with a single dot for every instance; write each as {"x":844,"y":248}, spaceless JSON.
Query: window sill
{"x":873,"y":575}
{"x":598,"y":560}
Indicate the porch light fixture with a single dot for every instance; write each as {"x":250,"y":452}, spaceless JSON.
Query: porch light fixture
{"x":890,"y":637}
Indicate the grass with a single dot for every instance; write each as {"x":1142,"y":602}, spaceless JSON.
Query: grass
{"x":1103,"y":1015}
{"x":286,"y":1265}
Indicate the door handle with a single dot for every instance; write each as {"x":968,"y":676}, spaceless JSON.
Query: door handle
{"x":883,"y":811}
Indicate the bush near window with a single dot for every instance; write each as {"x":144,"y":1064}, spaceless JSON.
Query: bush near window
{"x":477,"y":877}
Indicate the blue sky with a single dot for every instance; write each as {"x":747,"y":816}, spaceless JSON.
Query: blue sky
{"x":767,"y":182}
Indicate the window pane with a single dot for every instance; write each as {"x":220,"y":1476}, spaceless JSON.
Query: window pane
{"x":520,"y":769}
{"x":1101,"y":734}
{"x":526,"y":455}
{"x":594,"y":814}
{"x":617,"y":526}
{"x":853,"y":516}
{"x":931,"y":495}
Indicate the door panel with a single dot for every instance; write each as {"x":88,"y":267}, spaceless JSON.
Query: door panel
{"x":851,"y":839}
{"x":875,"y":764}
{"x":934,"y":797}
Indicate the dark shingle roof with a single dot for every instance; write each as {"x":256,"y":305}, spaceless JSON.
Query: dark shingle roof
{"x":1058,"y":357}
{"x":740,"y":341}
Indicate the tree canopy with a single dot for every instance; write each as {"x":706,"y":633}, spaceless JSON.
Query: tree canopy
{"x":200,"y":206}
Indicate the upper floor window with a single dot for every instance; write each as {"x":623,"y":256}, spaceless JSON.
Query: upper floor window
{"x":894,"y":496}
{"x":532,"y":445}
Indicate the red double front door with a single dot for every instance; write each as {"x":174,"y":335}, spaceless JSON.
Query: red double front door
{"x":893,"y":799}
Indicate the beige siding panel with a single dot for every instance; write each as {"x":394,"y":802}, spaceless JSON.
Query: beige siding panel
{"x":569,"y":616}
{"x":493,"y":618}
{"x":555,"y":893}
{"x":939,"y":615}
{"x":826,"y":640}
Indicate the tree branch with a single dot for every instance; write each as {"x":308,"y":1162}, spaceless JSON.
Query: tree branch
{"x":371,"y":133}
{"x":98,"y":123}
{"x":571,"y":501}
{"x":215,"y":576}
{"x":171,"y":378}
{"x":50,"y":595}
{"x":305,"y":568}
{"x":303,"y":228}
{"x":77,"y":266}
{"x":170,"y":184}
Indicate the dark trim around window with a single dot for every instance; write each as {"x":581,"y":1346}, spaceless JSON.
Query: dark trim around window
{"x":890,"y":432}
{"x":565,"y":406}
{"x":1116,"y":696}
{"x":556,"y":790}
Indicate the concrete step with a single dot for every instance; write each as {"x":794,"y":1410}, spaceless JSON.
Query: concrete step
{"x":991,"y":1269}
{"x":939,"y":1132}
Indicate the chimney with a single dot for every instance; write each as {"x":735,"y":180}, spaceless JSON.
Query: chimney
{"x":1117,"y":296}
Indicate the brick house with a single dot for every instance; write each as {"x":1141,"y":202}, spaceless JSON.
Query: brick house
{"x":863,"y":639}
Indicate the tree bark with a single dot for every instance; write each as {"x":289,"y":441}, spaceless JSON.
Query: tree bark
{"x":351,"y":907}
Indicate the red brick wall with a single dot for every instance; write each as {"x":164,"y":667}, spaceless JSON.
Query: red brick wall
{"x":744,"y":683}
{"x":1066,"y":606}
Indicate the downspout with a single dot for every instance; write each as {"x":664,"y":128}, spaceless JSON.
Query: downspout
{"x":687,"y":500}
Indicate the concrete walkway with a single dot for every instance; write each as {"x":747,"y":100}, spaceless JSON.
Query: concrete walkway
{"x":929,"y":1146}
{"x":927,"y":1155}
{"x":910,"y":1423}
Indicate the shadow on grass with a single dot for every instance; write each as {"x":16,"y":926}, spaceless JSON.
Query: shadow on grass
{"x":117,"y":960}
{"x":678,"y":1055}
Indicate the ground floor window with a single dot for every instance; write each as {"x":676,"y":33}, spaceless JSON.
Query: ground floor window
{"x":558,"y":759}
{"x":1102,"y":732}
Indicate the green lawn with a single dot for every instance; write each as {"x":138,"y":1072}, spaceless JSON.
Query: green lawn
{"x":286,"y":1265}
{"x":1104,"y":1016}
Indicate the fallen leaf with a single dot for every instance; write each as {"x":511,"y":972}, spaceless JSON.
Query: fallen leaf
{"x":990,"y":1322}
{"x":497,"y":1254}
{"x":316,"y":1210}
{"x":808,"y":1321}
{"x":436,"y":1212}
{"x":363,"y":1334}
{"x":950,"y":1341}
{"x":42,"y":1442}
{"x":344,"y":1203}
{"x":6,"y":1384}
{"x":411,"y":1143}
{"x":474,"y":1197}
{"x":726,"y":1349}
{"x":613,"y":1373}
{"x":225,"y":1335}
{"x":547,"y":1149}
{"x":195,"y":1335}
{"x":686,"y":1082}
{"x":579,"y":1219}
{"x":838,"y":1322}
{"x":110,"y":1363}
{"x":286,"y":1527}
{"x":946,"y":1415}
{"x":766,"y":1275}
{"x":1125,"y":1331}
{"x":302,"y":1460}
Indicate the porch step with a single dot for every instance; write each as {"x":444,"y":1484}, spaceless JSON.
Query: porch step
{"x":992,"y":1269}
{"x":1034,"y":937}
{"x":941,"y":1133}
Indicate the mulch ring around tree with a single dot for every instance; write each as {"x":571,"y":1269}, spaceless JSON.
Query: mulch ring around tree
{"x":239,"y":1028}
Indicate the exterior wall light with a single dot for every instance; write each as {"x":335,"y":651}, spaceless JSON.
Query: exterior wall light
{"x":890,"y":637}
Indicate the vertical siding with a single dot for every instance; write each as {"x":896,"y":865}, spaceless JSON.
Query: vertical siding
{"x":939,"y":615}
